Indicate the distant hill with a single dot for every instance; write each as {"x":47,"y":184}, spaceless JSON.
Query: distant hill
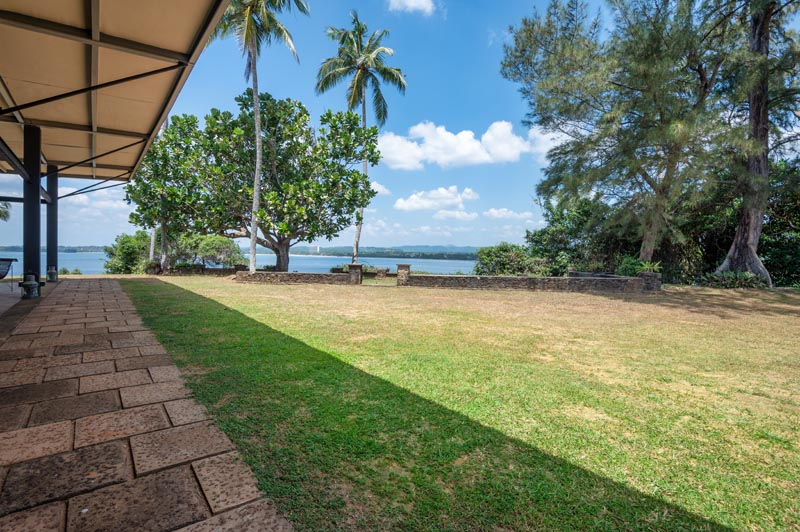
{"x":400,"y":252}
{"x":61,"y":249}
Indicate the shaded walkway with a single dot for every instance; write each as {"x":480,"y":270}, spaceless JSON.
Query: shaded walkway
{"x":97,"y":431}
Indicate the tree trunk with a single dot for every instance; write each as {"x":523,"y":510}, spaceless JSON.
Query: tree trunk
{"x":281,"y":251}
{"x":651,"y":234}
{"x":743,"y":254}
{"x":153,"y":244}
{"x":257,"y":176}
{"x":360,"y":220}
{"x":164,"y":250}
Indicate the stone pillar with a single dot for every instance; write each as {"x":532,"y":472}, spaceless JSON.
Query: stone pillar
{"x":403,"y":272}
{"x":355,"y":273}
{"x":652,"y":281}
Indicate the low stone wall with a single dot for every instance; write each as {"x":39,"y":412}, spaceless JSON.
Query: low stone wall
{"x":294,"y":278}
{"x":650,"y":283}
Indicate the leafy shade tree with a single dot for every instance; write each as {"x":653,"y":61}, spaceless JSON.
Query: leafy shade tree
{"x":128,"y":254}
{"x":5,"y":210}
{"x":165,"y":189}
{"x":255,"y":23}
{"x":639,"y":110}
{"x":209,"y":250}
{"x":360,"y":59}
{"x":314,"y":189}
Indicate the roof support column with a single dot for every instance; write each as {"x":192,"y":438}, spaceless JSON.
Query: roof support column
{"x":52,"y":224}
{"x":31,"y":210}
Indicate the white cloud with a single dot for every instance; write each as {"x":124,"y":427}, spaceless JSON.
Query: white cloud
{"x":436,"y":200}
{"x":425,"y":7}
{"x":380,"y":189}
{"x":428,"y":143}
{"x":460,"y":215}
{"x":507,"y":214}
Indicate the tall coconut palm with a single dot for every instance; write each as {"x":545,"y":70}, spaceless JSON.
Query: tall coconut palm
{"x":255,"y":23}
{"x":360,"y":59}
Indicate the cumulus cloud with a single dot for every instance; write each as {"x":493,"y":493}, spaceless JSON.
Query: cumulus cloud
{"x":425,"y":7}
{"x":506,"y":214}
{"x":427,"y":143}
{"x":437,"y":199}
{"x":460,"y":215}
{"x":380,"y":189}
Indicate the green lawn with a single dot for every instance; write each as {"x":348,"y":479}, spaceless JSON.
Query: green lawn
{"x":385,"y":408}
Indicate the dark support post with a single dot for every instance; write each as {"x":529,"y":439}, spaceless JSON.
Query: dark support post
{"x":31,"y":210}
{"x":52,"y":224}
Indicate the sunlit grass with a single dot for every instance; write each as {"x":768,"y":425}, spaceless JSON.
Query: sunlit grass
{"x":380,"y":408}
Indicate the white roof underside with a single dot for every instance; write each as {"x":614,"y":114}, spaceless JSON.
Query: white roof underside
{"x":52,"y":47}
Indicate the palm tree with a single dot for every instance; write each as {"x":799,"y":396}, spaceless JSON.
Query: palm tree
{"x":361,"y":60}
{"x":255,"y":23}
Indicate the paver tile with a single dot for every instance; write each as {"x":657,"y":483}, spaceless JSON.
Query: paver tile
{"x":163,"y":501}
{"x":125,"y":364}
{"x":152,"y":350}
{"x":13,"y":345}
{"x":26,"y":444}
{"x":258,"y":516}
{"x":119,"y":424}
{"x":48,"y":518}
{"x":81,"y":348}
{"x":16,"y":354}
{"x":14,"y":417}
{"x":18,"y":378}
{"x":153,"y":393}
{"x":168,"y":447}
{"x":127,"y":328}
{"x":47,"y":362}
{"x":63,"y":475}
{"x":33,"y":393}
{"x":185,"y":411}
{"x":79,"y":370}
{"x":110,"y":354}
{"x":226,"y":481}
{"x":7,"y":365}
{"x":107,"y":381}
{"x":165,"y":374}
{"x":68,"y":338}
{"x":74,"y":407}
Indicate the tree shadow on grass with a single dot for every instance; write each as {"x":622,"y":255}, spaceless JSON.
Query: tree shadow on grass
{"x":339,"y":449}
{"x":722,"y":303}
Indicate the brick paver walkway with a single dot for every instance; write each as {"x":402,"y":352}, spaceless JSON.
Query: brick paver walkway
{"x":97,"y":430}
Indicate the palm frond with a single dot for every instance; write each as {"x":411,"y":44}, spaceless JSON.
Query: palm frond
{"x":378,"y":101}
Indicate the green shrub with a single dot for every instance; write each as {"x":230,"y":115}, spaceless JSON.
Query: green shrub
{"x":346,"y":268}
{"x":76,"y":271}
{"x":631,"y":266}
{"x":732,"y":280}
{"x":63,"y":271}
{"x":504,"y":259}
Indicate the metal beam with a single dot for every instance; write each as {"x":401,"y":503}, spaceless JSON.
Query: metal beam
{"x":200,"y":40}
{"x":91,"y":159}
{"x":7,"y":154}
{"x":44,"y":195}
{"x":78,"y":127}
{"x":88,"y":164}
{"x":84,"y":90}
{"x":11,"y":199}
{"x":80,"y":35}
{"x":94,"y":79}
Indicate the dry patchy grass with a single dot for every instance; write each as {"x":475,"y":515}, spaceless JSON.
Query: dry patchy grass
{"x":424,"y":409}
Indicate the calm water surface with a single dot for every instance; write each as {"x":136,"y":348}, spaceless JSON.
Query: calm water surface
{"x":92,"y":263}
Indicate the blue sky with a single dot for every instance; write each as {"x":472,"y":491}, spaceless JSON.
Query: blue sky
{"x":458,"y":166}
